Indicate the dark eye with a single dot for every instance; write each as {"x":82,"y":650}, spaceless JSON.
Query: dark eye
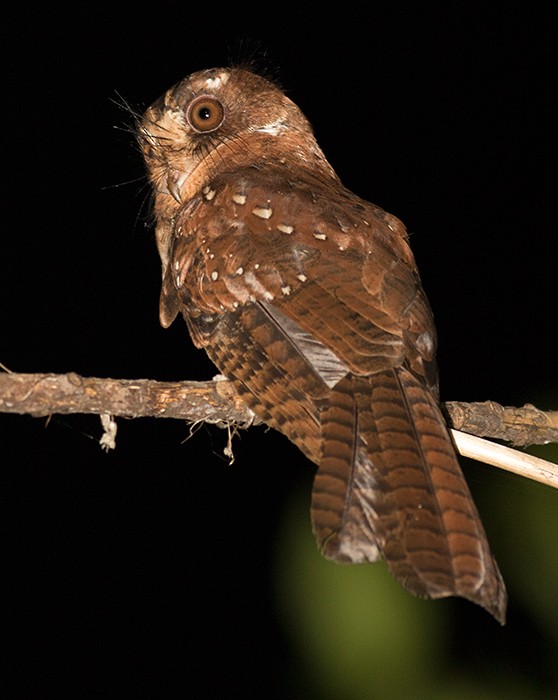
{"x":205,"y":114}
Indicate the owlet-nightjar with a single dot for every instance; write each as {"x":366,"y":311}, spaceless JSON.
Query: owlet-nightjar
{"x":308,"y":299}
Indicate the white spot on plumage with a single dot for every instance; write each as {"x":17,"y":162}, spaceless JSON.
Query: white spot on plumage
{"x":257,"y":288}
{"x":239,"y":198}
{"x":426,"y":345}
{"x":257,"y":266}
{"x":209,"y":193}
{"x":263,"y":212}
{"x":239,"y":270}
{"x":235,"y":305}
{"x":214,"y":275}
{"x":178,"y":281}
{"x":320,"y":236}
{"x":342,"y":225}
{"x":286,"y":290}
{"x":302,"y":278}
{"x":285,"y":228}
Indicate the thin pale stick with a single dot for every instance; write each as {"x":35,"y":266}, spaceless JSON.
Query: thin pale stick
{"x":505,"y":458}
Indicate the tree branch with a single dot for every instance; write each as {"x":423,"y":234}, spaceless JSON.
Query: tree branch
{"x":519,"y":426}
{"x":45,"y":394}
{"x":216,"y":402}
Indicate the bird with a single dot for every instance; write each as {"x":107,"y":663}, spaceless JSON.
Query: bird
{"x":308,"y":299}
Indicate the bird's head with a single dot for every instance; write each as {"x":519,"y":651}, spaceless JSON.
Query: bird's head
{"x":215,"y":121}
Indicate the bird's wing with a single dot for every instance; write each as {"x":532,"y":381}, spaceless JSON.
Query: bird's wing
{"x":341,"y":269}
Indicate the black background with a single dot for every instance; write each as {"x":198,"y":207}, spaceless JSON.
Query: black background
{"x":149,"y":571}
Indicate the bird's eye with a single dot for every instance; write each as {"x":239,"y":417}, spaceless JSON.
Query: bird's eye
{"x":205,"y":114}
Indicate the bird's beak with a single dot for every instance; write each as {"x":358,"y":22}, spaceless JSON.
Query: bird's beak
{"x":174,"y":182}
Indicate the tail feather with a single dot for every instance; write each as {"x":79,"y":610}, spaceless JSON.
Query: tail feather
{"x":389,"y":486}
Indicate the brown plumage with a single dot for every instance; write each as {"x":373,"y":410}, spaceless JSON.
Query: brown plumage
{"x":308,"y":299}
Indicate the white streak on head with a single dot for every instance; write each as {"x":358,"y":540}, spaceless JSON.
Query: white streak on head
{"x":273,"y":128}
{"x":216,"y":82}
